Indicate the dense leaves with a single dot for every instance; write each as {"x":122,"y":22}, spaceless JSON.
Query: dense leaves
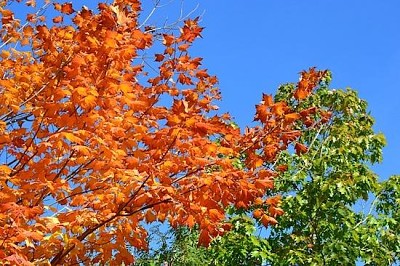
{"x":321,"y":187}
{"x":336,"y":212}
{"x":97,"y":138}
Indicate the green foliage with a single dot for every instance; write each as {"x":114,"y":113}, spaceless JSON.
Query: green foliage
{"x":240,"y":246}
{"x":321,"y":187}
{"x":177,"y":247}
{"x":380,"y":231}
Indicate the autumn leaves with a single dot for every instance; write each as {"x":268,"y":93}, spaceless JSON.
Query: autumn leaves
{"x":98,"y":137}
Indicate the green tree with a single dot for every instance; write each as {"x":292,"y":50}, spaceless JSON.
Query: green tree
{"x":324,"y":187}
{"x":175,"y":247}
{"x":179,"y":246}
{"x":380,"y":230}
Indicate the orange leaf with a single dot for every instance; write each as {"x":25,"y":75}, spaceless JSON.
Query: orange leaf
{"x":289,"y":118}
{"x":202,"y":74}
{"x":168,"y":40}
{"x":216,"y":215}
{"x":300,"y":148}
{"x":258,"y":163}
{"x":89,"y":102}
{"x":258,"y":201}
{"x":204,"y":238}
{"x":300,"y":93}
{"x":82,"y":150}
{"x":57,"y":19}
{"x":150,"y":216}
{"x":203,"y":128}
{"x":159,"y":57}
{"x":267,"y":100}
{"x":258,"y":213}
{"x":71,"y":137}
{"x":190,"y":221}
{"x":279,"y":108}
{"x":57,"y":6}
{"x":66,"y":8}
{"x":273,"y":200}
{"x":142,"y":199}
{"x":264,"y":184}
{"x":274,"y":211}
{"x":81,"y":91}
{"x":268,"y":220}
{"x":281,"y":168}
{"x":28,"y":31}
{"x":183,"y":47}
{"x":121,"y":16}
{"x":308,"y":81}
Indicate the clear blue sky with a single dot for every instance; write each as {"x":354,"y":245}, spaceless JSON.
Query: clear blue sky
{"x":253,"y":46}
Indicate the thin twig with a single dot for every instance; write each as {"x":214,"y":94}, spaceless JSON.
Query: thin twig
{"x":371,"y":208}
{"x":151,"y":14}
{"x":26,"y":23}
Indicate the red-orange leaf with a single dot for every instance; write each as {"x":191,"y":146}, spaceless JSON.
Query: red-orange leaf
{"x":258,"y":213}
{"x":159,"y":57}
{"x":289,"y":118}
{"x":190,"y":221}
{"x":300,"y":148}
{"x":268,"y":220}
{"x":58,"y":19}
{"x":66,"y":8}
{"x":216,"y":215}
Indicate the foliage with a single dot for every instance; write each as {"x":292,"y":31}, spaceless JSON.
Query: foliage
{"x":380,"y":231}
{"x":240,"y":246}
{"x":179,"y":246}
{"x":324,"y":181}
{"x":320,"y":188}
{"x":97,"y":138}
{"x":174,"y":247}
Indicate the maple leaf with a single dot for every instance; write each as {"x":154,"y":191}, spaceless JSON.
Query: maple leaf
{"x":168,"y":40}
{"x":122,"y":19}
{"x":308,"y":81}
{"x":57,"y":19}
{"x":291,"y":117}
{"x":300,"y":148}
{"x":190,"y":221}
{"x":71,"y":137}
{"x":267,"y":220}
{"x":258,"y":213}
{"x":66,"y":8}
{"x":159,"y":57}
{"x":204,"y":238}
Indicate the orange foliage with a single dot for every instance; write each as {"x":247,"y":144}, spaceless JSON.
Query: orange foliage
{"x":308,"y":81}
{"x":91,"y":148}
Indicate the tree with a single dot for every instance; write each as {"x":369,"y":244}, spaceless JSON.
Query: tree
{"x":173,"y":247}
{"x":322,"y":188}
{"x":380,"y":230}
{"x":99,"y":138}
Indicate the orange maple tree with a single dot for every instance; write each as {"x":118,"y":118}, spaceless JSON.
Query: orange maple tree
{"x":93,"y":145}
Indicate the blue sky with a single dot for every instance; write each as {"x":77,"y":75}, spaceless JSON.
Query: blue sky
{"x":253,"y":46}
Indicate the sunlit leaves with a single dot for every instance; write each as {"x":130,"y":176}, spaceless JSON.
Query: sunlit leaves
{"x":308,"y":81}
{"x":319,"y":181}
{"x":328,"y":173}
{"x":97,"y":137}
